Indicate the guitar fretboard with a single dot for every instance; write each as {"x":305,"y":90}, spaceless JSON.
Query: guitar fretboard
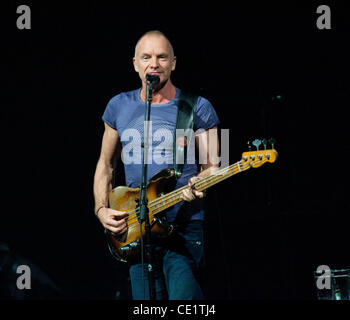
{"x":170,"y":199}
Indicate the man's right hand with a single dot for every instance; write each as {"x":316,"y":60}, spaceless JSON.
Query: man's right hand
{"x":113,"y":220}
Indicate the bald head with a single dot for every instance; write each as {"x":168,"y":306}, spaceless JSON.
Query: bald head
{"x":153,"y":34}
{"x":154,"y":55}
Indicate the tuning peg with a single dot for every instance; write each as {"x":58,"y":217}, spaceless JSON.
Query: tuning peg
{"x":264,"y":142}
{"x":257,"y":143}
{"x":272,"y":141}
{"x":249,"y":145}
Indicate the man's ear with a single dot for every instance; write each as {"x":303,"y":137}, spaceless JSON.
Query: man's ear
{"x":135,"y":64}
{"x":173,"y":64}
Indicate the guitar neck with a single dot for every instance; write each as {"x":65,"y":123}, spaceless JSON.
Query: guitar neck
{"x":170,"y":199}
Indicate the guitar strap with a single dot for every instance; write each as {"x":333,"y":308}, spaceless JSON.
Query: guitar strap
{"x":184,"y":129}
{"x":182,"y":138}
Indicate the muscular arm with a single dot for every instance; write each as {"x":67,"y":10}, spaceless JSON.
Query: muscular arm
{"x":207,"y":144}
{"x":110,"y":151}
{"x":105,"y":166}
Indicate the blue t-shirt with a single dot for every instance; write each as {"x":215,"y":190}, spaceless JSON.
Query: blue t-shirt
{"x":125,"y":113}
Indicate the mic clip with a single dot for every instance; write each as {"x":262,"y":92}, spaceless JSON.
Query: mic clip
{"x":152,"y":78}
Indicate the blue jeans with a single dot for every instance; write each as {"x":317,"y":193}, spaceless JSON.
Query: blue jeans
{"x":178,"y":261}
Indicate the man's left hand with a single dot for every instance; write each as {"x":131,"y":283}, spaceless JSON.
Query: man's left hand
{"x":190,"y":194}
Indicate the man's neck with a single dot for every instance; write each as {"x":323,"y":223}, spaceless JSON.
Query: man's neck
{"x":164,"y":95}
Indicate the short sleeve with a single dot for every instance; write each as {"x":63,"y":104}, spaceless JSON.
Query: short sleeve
{"x":109,"y":115}
{"x":205,"y":116}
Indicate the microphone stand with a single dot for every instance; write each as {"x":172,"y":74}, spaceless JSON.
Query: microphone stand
{"x":142,"y":203}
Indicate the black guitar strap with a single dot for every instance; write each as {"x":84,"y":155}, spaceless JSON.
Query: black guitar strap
{"x":184,"y":137}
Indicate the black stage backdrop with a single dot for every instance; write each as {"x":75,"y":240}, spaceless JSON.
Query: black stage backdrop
{"x":269,"y":72}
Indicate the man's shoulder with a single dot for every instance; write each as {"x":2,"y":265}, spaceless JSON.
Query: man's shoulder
{"x":125,"y":96}
{"x":193,"y":94}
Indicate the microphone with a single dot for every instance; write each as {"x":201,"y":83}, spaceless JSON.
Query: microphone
{"x":152,"y":78}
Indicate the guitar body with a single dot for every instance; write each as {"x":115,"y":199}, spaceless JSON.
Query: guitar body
{"x":125,"y":199}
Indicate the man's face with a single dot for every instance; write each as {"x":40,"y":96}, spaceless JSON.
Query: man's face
{"x":154,"y":55}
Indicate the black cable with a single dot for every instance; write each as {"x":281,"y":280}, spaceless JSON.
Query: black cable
{"x":140,"y":202}
{"x":142,"y":263}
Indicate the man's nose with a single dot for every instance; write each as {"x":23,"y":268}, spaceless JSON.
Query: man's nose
{"x":154,"y":63}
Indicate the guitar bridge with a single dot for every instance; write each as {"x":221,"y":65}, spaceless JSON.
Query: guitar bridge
{"x":129,"y":251}
{"x":129,"y":247}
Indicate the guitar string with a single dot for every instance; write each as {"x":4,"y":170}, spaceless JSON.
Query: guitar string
{"x":175,"y":192}
{"x":174,"y":197}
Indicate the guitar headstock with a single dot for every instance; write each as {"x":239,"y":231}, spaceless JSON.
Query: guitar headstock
{"x":258,"y":157}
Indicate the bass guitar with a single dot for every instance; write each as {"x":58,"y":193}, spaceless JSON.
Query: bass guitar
{"x":161,"y":196}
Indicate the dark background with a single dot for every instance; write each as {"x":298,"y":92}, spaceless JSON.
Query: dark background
{"x":267,"y":229}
